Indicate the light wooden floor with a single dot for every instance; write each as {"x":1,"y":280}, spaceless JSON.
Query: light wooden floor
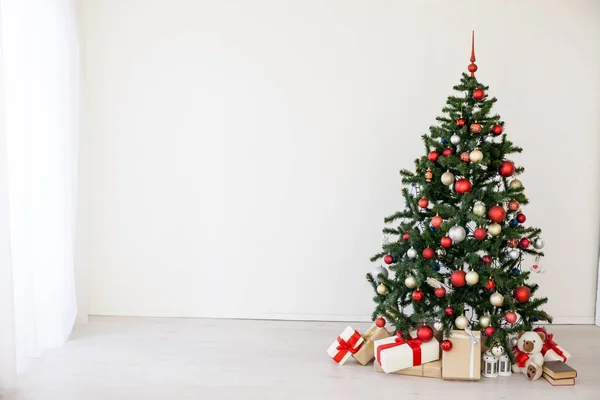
{"x":175,"y":359}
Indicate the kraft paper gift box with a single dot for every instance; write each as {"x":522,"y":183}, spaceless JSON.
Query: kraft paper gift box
{"x":463,"y":361}
{"x":550,"y":349}
{"x":394,"y":353}
{"x":348,"y":343}
{"x":428,"y":370}
{"x":366,"y":353}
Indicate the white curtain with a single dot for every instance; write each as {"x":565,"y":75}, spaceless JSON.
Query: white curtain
{"x":39,"y":96}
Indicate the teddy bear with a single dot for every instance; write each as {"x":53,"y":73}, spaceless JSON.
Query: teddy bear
{"x":528,"y":354}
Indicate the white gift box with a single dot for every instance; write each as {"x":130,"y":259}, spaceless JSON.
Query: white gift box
{"x":552,"y":355}
{"x":394,"y":354}
{"x":345,"y":345}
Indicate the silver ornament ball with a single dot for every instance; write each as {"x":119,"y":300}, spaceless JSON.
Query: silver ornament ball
{"x":438,"y":326}
{"x":411,"y":253}
{"x":496,"y":299}
{"x":455,"y":139}
{"x":447,"y":178}
{"x":461,"y":322}
{"x":440,"y":252}
{"x":514,"y":341}
{"x":379,"y":271}
{"x":479,"y":209}
{"x":497,"y":350}
{"x":484,"y":321}
{"x":538,"y":243}
{"x":410,"y":282}
{"x":514,"y":254}
{"x":457,"y":233}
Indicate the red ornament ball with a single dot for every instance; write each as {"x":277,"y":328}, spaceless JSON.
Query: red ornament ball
{"x":417,"y":295}
{"x":497,"y":129}
{"x":462,"y":185}
{"x":461,"y":122}
{"x":406,"y":236}
{"x":490,"y":285}
{"x":479,"y":234}
{"x":524,"y":243}
{"x":449,"y":311}
{"x":522,"y":294}
{"x":446,"y":345}
{"x":521,"y":218}
{"x":457,"y":278}
{"x":511,"y":317}
{"x":439,"y":292}
{"x":447,"y":152}
{"x":497,"y":214}
{"x":380,"y":322}
{"x":425,"y":333}
{"x":478,"y":94}
{"x":428,"y":253}
{"x":436,"y":221}
{"x":506,"y":169}
{"x":489,"y":331}
{"x":388,"y":259}
{"x":486,"y":260}
{"x":446,"y":242}
{"x":433,"y":156}
{"x":423,"y":202}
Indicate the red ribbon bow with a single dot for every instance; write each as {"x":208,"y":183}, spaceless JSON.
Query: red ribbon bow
{"x":415,"y":345}
{"x":520,"y":357}
{"x":344,"y":347}
{"x":550,"y":344}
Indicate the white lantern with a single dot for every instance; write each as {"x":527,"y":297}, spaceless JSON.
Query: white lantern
{"x":489,"y":366}
{"x":504,"y":367}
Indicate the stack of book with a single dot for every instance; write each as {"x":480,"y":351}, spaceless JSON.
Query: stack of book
{"x":558,"y":373}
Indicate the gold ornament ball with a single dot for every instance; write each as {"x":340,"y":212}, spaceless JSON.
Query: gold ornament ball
{"x":381,"y":289}
{"x":484,"y":321}
{"x":515,"y":184}
{"x":494,"y":229}
{"x":428,"y":175}
{"x":410,"y":282}
{"x":461,"y":322}
{"x":472,"y":278}
{"x":476,"y":156}
{"x":479,"y":209}
{"x":496,"y":299}
{"x":447,"y":178}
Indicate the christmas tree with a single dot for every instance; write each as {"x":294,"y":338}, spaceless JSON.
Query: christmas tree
{"x":458,"y":250}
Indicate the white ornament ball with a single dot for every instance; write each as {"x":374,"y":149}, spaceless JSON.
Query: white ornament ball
{"x":438,"y":326}
{"x":381,"y":289}
{"x":455,"y":139}
{"x":461,"y":322}
{"x":514,"y":341}
{"x":484,"y":321}
{"x":472,"y":278}
{"x":494,"y":229}
{"x":476,"y":155}
{"x":538,"y":243}
{"x":479,"y":209}
{"x":411,"y":253}
{"x":457,"y":233}
{"x":496,"y":299}
{"x":379,"y":271}
{"x":515,"y":184}
{"x":410,"y":282}
{"x":497,"y":350}
{"x":447,"y":178}
{"x":513,"y":254}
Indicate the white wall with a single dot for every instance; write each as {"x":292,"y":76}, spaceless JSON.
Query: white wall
{"x":242,"y":154}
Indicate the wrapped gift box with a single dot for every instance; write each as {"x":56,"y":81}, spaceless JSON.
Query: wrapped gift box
{"x":551,"y":350}
{"x":429,"y":370}
{"x":348,"y":343}
{"x":463,"y":361}
{"x":366,"y":353}
{"x":394,"y":353}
